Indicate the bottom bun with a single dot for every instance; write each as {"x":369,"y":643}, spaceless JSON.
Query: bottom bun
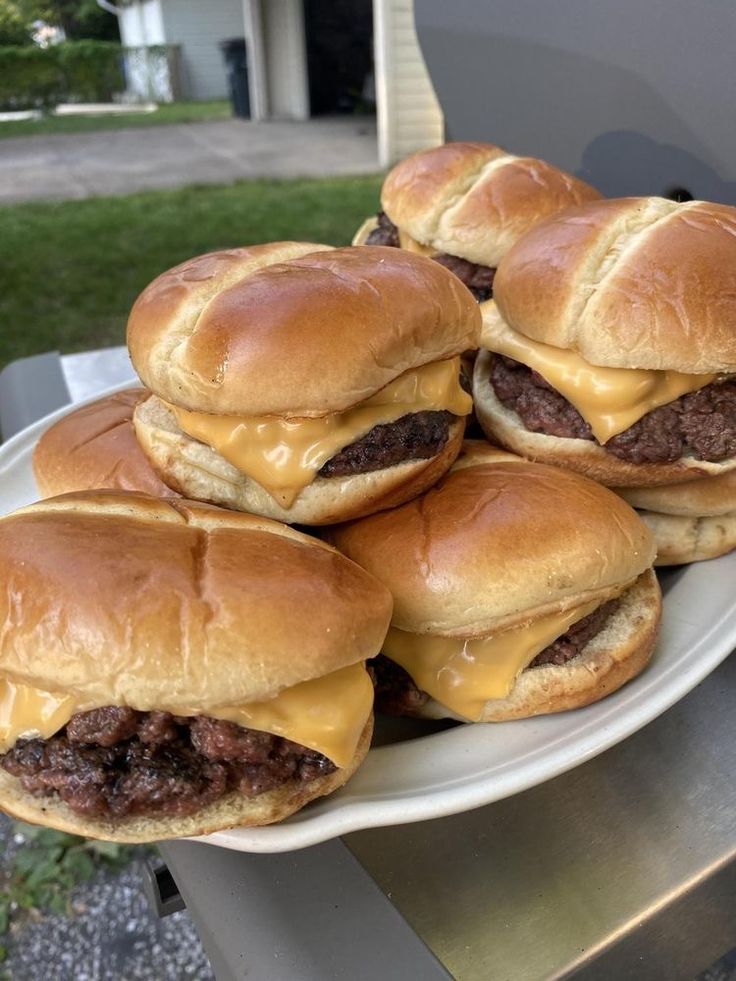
{"x":683,"y":538}
{"x":504,"y":427}
{"x":199,"y":472}
{"x":618,"y":653}
{"x":231,"y":811}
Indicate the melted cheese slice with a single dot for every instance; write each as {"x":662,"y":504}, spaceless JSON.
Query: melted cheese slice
{"x":411,"y":245}
{"x":327,"y":714}
{"x":609,"y":399}
{"x":464,"y":674}
{"x":284,"y":455}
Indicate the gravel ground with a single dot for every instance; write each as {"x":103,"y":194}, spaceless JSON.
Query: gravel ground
{"x":111,"y":935}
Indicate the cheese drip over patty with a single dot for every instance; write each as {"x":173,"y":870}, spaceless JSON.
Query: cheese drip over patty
{"x":609,"y":399}
{"x":284,"y":455}
{"x":326,"y":714}
{"x":464,"y":674}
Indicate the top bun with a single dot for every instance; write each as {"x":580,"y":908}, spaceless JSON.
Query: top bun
{"x":499,"y":543}
{"x":474,"y":200}
{"x":629,"y":283}
{"x":293,"y":329}
{"x":95,"y":447}
{"x":127,"y":600}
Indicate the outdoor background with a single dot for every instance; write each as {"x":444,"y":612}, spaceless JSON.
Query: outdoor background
{"x":108,"y":178}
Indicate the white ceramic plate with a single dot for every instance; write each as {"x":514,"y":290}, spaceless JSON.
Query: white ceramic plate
{"x":426,"y":771}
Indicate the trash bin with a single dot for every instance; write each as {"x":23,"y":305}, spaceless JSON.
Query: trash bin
{"x":236,"y":62}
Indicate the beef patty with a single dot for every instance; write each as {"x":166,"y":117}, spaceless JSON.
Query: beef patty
{"x":396,"y":693}
{"x":701,"y":423}
{"x":418,"y":436}
{"x":478,"y":279}
{"x":115,"y":762}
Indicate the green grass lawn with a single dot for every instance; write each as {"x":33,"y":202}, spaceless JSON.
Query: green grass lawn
{"x":71,"y":270}
{"x":176,"y":112}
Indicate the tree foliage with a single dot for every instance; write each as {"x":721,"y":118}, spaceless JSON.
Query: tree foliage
{"x":78,"y":18}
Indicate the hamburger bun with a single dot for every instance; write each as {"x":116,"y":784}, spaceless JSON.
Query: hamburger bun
{"x":295,"y":330}
{"x":123,"y":600}
{"x":629,"y":283}
{"x":474,"y":200}
{"x":681,"y":539}
{"x":690,"y":522}
{"x":695,"y":498}
{"x":293,"y":338}
{"x":200,"y":472}
{"x":95,"y":447}
{"x":502,"y":543}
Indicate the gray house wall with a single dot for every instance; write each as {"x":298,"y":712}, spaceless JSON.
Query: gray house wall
{"x":199,"y":27}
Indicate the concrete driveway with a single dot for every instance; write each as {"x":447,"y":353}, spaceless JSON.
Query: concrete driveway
{"x":81,"y":165}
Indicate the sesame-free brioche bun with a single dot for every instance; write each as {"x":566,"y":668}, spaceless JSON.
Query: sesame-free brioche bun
{"x":200,"y":472}
{"x":499,"y":544}
{"x":295,"y":329}
{"x":474,"y":200}
{"x":123,"y":599}
{"x":695,"y":499}
{"x":231,"y":811}
{"x":629,"y":283}
{"x":95,"y":447}
{"x":681,"y":539}
{"x":503,"y":426}
{"x":690,"y":522}
{"x":617,"y":653}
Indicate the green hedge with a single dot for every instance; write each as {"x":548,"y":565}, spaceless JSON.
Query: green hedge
{"x":75,"y":71}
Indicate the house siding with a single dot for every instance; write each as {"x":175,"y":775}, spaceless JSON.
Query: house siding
{"x":409,"y":116}
{"x":198,"y":28}
{"x":286,"y":64}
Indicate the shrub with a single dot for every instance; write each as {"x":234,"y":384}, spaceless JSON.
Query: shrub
{"x":92,"y":70}
{"x":29,"y":77}
{"x":75,"y":71}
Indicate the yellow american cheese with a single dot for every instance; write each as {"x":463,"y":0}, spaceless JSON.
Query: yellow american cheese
{"x":609,"y":399}
{"x":327,"y":714}
{"x":411,"y":245}
{"x":284,"y":455}
{"x":464,"y":674}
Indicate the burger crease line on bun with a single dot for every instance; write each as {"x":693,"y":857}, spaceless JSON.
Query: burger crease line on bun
{"x":609,"y":347}
{"x":183,"y":706}
{"x":310,"y":386}
{"x":511,"y":557}
{"x":464,"y":204}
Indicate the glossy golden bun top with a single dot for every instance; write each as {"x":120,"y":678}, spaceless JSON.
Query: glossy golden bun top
{"x":499,"y":543}
{"x":474,"y":200}
{"x":295,"y":329}
{"x":629,"y":283}
{"x":127,"y":600}
{"x":95,"y":447}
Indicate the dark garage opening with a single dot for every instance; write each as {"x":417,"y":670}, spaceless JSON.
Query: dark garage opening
{"x":339,"y":36}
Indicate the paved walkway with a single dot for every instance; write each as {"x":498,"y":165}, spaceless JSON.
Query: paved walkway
{"x":81,"y":165}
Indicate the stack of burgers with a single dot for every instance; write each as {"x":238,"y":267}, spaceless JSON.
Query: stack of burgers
{"x":178,"y":658}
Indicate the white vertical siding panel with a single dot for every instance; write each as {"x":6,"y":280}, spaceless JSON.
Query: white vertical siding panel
{"x":286,"y":59}
{"x":409,"y":116}
{"x":198,"y":27}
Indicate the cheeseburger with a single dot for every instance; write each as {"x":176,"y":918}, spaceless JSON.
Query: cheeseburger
{"x":691,"y":521}
{"x":519,"y":589}
{"x":301,"y":382}
{"x":95,"y":447}
{"x":168,"y":668}
{"x":610,"y":347}
{"x":465,"y":204}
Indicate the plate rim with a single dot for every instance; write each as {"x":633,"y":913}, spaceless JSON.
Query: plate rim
{"x":603,"y":726}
